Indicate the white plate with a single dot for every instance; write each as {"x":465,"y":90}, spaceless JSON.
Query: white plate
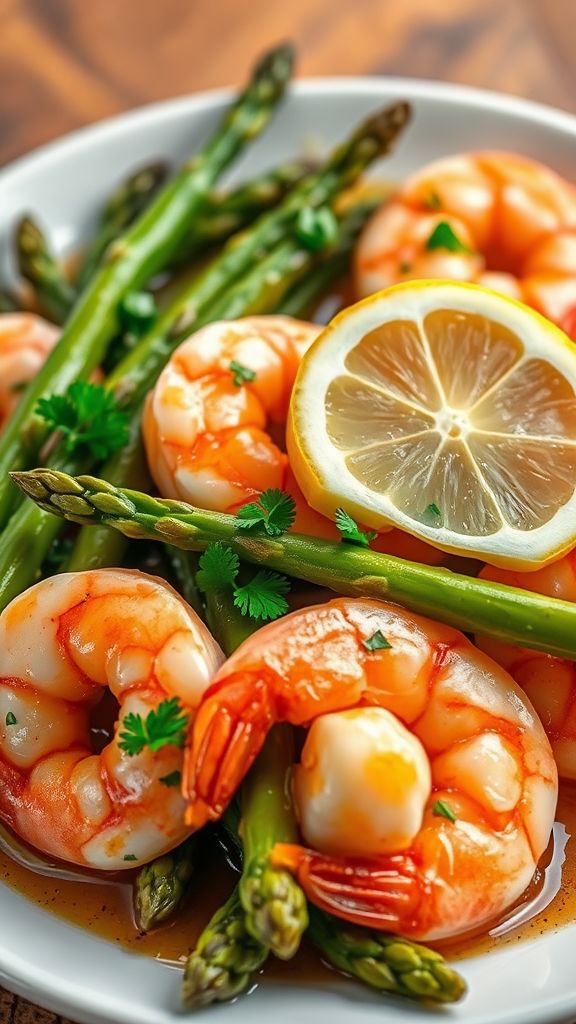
{"x":68,"y":970}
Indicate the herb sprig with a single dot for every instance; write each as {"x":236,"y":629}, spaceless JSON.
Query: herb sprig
{"x":86,"y":414}
{"x":350,"y":531}
{"x":274,"y":510}
{"x":263,"y":597}
{"x":164,"y":726}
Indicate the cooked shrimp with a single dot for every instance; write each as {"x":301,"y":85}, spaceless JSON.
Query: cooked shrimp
{"x":25,"y":341}
{"x":515,"y":220}
{"x":61,"y":643}
{"x":549,"y":682}
{"x":208,"y":428}
{"x":411,"y":727}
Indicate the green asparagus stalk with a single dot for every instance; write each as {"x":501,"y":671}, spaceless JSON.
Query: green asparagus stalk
{"x":224,"y":960}
{"x":194,"y":305}
{"x":226,"y":213}
{"x":473,"y":605}
{"x":274,"y":903}
{"x":125,"y":204}
{"x":145,"y":248}
{"x":162,"y":886}
{"x":41,"y":269}
{"x":19,"y":559}
{"x":387,"y":963}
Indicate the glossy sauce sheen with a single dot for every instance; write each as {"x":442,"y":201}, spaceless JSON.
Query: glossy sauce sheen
{"x":105,"y":908}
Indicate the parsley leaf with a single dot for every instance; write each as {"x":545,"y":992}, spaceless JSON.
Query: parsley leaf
{"x":432,"y":515}
{"x":11,"y":718}
{"x":241,"y":374}
{"x":377,"y":642}
{"x":165,"y":725}
{"x":349,"y":530}
{"x":172,"y":780}
{"x":219,"y":567}
{"x":130,"y":856}
{"x":275,"y":511}
{"x":86,"y":414}
{"x":263,"y":597}
{"x":444,"y":237}
{"x":316,"y":228}
{"x":443,"y":810}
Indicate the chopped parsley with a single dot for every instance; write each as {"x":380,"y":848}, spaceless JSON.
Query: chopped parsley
{"x":11,"y":719}
{"x":349,"y":531}
{"x":443,"y":810}
{"x":377,"y":642}
{"x":444,"y":237}
{"x":241,"y":374}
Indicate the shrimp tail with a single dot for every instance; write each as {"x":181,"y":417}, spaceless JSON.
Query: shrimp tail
{"x":384,"y":894}
{"x":227,"y":735}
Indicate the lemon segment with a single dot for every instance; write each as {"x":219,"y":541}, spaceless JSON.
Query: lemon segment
{"x":449,"y":411}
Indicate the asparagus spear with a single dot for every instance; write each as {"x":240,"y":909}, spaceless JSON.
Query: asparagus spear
{"x":224,"y":960}
{"x":132,"y":259}
{"x":224,"y":214}
{"x":387,"y":963}
{"x":192,"y":307}
{"x":40,"y":268}
{"x":126,"y":203}
{"x":162,"y":886}
{"x":27,"y":538}
{"x":473,"y":605}
{"x":274,"y":903}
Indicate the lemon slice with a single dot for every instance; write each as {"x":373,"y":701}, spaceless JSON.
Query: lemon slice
{"x":449,"y":411}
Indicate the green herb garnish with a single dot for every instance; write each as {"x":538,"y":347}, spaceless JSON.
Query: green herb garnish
{"x":241,"y":374}
{"x":11,"y":719}
{"x":275,"y":511}
{"x":377,"y":642}
{"x":444,"y":237}
{"x":316,"y":228}
{"x":86,"y":414}
{"x":443,"y":810}
{"x":172,"y":780}
{"x":167,"y":725}
{"x":349,"y":531}
{"x":261,"y":598}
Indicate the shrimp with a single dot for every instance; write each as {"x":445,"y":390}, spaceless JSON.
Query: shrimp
{"x":515,"y":220}
{"x":213,"y":423}
{"x":549,"y":682}
{"x":25,"y":341}
{"x":62,"y":642}
{"x":427,"y":788}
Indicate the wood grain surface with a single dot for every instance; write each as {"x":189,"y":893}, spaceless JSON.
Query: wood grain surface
{"x":66,"y":63}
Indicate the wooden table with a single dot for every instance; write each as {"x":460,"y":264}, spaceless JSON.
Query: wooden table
{"x":65,"y":63}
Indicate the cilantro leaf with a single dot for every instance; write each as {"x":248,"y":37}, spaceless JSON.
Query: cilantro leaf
{"x":86,"y":414}
{"x":241,"y":374}
{"x":263,"y":597}
{"x":432,"y":515}
{"x":444,"y":237}
{"x":219,"y":567}
{"x":11,"y":718}
{"x":377,"y":642}
{"x":130,"y":856}
{"x":443,"y":810}
{"x":275,"y":511}
{"x":165,"y":725}
{"x":171,"y":780}
{"x":349,"y":530}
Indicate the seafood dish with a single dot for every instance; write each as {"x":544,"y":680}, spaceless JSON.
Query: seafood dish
{"x":288,"y":561}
